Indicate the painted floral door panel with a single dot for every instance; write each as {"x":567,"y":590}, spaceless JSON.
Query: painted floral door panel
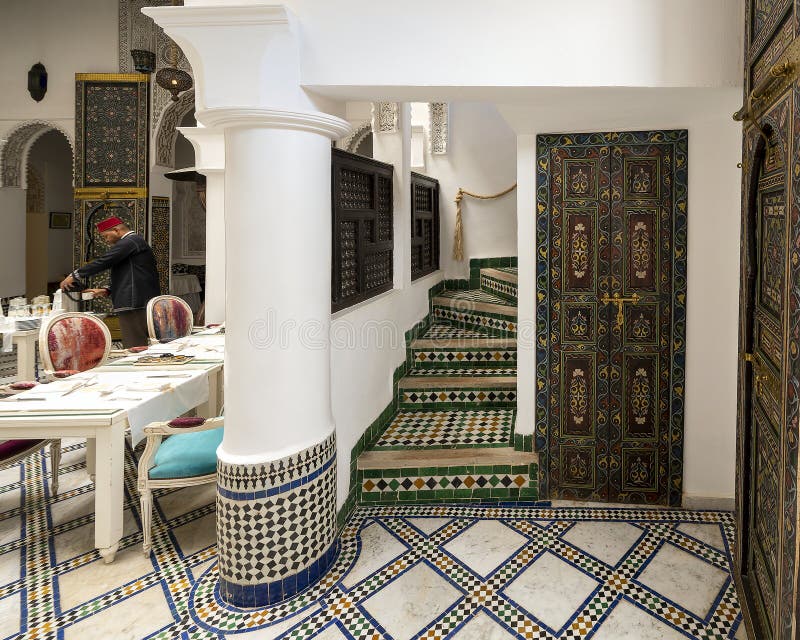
{"x":608,"y":235}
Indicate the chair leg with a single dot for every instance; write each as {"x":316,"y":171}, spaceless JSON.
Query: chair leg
{"x":147,"y":520}
{"x":55,"y":461}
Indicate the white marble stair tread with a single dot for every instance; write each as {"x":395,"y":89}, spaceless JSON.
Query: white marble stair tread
{"x":457,"y":382}
{"x":414,"y":458}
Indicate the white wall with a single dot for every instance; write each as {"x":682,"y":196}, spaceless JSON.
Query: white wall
{"x":12,"y":254}
{"x":66,"y":36}
{"x":509,"y":43}
{"x":481,"y":157}
{"x":713,"y":259}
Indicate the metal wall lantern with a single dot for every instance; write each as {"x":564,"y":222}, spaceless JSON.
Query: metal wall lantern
{"x":144,"y":61}
{"x":37,"y":81}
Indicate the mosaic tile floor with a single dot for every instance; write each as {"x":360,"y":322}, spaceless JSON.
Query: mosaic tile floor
{"x":465,"y":573}
{"x":446,"y":429}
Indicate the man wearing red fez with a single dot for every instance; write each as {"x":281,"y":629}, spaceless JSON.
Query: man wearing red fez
{"x":134,"y":278}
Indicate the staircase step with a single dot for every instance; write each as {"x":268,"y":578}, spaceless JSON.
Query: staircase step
{"x":448,"y":331}
{"x":500,"y":281}
{"x":476,"y":474}
{"x":448,"y":429}
{"x":476,"y":309}
{"x":457,"y":392}
{"x":464,"y":352}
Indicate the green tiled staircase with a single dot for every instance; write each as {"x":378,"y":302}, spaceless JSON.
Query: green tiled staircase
{"x":449,"y":433}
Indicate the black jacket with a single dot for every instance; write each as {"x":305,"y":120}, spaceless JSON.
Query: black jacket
{"x":134,"y":276}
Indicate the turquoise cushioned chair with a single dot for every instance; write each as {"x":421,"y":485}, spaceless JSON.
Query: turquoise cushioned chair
{"x":188,"y":457}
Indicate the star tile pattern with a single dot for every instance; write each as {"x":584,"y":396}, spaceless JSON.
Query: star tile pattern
{"x":173,"y":593}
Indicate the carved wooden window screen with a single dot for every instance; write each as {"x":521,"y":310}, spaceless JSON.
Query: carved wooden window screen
{"x":363,"y":242}
{"x":424,"y":225}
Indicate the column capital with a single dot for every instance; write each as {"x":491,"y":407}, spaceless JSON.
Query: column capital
{"x":209,"y":148}
{"x":264,"y":118}
{"x":242,"y":55}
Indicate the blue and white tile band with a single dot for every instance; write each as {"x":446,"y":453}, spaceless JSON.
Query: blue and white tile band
{"x":276,"y":525}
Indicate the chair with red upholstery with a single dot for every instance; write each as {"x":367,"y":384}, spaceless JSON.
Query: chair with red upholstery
{"x":73,"y":342}
{"x":168,"y":318}
{"x":12,"y":451}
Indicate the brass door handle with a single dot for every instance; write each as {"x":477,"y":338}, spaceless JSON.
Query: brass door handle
{"x":760,"y":374}
{"x":619,"y":301}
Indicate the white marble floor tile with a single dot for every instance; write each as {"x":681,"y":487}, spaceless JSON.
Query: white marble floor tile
{"x":606,"y":541}
{"x":81,"y":540}
{"x":378,"y":547}
{"x":10,"y":530}
{"x":429,"y":525}
{"x":482,"y":627}
{"x":270,"y":633}
{"x":10,"y":611}
{"x":73,"y":480}
{"x":96,"y":578}
{"x":133,"y":618}
{"x":684,"y":579}
{"x":72,"y":508}
{"x":711,"y":534}
{"x":10,"y":500}
{"x":551,"y":589}
{"x":10,"y":569}
{"x":331,"y":633}
{"x":176,"y":503}
{"x":410,"y":602}
{"x":485,"y":545}
{"x":197,"y":534}
{"x":10,"y":475}
{"x":629,"y":622}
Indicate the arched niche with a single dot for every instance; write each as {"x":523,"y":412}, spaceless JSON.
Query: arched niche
{"x":14,"y":153}
{"x":167,"y":133}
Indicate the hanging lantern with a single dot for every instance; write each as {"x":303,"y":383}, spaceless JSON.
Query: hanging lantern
{"x":37,"y":81}
{"x":171,"y":78}
{"x":144,"y":61}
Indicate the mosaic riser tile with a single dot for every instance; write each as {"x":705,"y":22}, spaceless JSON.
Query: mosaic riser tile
{"x":463,"y":428}
{"x":471,"y":372}
{"x":448,"y":332}
{"x":452,"y":357}
{"x":474,"y":295}
{"x":506,"y":291}
{"x":493,"y":325}
{"x":431,"y":483}
{"x":469,"y":396}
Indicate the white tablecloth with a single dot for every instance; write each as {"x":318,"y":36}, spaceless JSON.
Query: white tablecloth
{"x":185,"y":283}
{"x":147,"y":396}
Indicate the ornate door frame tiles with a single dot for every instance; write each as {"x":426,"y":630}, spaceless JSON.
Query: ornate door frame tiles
{"x":621,"y":198}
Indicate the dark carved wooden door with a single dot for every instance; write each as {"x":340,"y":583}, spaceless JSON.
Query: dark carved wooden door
{"x":612,"y":241}
{"x":763,"y":355}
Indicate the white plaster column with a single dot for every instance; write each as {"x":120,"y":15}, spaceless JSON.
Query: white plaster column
{"x":209,"y":154}
{"x":276,"y":487}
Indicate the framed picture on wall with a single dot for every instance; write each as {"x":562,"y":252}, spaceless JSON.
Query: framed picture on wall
{"x":60,"y":220}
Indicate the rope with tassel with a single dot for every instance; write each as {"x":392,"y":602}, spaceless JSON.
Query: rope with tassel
{"x":458,"y":240}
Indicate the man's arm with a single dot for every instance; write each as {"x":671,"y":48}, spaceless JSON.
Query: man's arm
{"x":117,"y":253}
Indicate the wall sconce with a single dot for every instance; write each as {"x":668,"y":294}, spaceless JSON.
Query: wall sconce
{"x":37,"y":81}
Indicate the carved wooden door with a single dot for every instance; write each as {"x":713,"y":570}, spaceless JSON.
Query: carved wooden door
{"x":763,"y":402}
{"x":612,"y":240}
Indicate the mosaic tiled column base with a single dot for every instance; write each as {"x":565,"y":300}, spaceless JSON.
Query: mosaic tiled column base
{"x":276,"y":525}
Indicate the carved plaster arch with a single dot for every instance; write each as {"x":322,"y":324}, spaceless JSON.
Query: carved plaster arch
{"x":14,"y":153}
{"x":166,"y":133}
{"x":352,"y":142}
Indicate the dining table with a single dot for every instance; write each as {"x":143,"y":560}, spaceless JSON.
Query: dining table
{"x":102,"y":403}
